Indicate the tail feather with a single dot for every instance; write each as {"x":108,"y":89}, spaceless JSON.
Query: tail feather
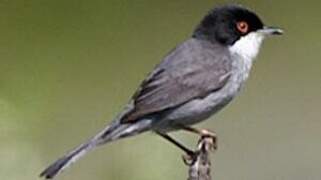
{"x":65,"y":161}
{"x":111,"y":133}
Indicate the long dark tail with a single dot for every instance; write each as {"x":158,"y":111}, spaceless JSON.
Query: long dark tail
{"x":111,"y":133}
{"x":65,"y":161}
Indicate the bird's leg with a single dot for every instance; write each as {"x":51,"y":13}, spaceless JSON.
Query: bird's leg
{"x":203,"y":133}
{"x":190,"y":155}
{"x":175,"y":142}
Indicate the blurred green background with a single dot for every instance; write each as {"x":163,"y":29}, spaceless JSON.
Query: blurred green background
{"x":68,"y":67}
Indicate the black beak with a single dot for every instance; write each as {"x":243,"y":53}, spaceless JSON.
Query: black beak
{"x":271,"y":30}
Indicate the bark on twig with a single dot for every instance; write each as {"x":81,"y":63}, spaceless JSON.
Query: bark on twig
{"x":200,"y":163}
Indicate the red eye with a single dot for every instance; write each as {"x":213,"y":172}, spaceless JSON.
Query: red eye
{"x":242,"y":26}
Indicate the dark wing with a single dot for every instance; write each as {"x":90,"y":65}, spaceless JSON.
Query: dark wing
{"x":192,"y":70}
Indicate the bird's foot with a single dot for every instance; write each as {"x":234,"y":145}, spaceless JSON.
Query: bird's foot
{"x":209,"y":134}
{"x":190,"y":158}
{"x":206,"y":143}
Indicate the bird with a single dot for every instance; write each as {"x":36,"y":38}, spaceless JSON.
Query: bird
{"x":193,"y":81}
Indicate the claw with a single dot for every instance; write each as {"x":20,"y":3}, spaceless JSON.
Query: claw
{"x":208,"y":134}
{"x":189,"y":158}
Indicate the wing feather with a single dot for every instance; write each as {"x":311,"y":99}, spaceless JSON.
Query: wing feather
{"x":192,"y":70}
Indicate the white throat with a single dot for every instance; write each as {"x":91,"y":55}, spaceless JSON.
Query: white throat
{"x":244,"y":51}
{"x":248,"y":46}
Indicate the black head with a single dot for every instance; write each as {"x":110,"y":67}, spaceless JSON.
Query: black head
{"x":226,"y":24}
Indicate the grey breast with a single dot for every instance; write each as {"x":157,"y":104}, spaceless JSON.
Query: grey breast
{"x":198,"y":109}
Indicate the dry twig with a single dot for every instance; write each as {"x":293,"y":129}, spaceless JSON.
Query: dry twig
{"x":200,"y":163}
